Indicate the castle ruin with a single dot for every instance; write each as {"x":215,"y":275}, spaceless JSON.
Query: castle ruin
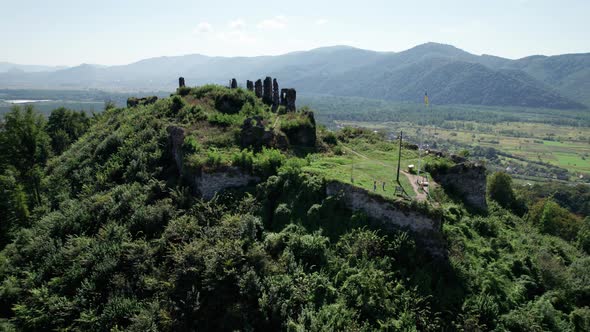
{"x":268,"y":90}
{"x":258,"y":88}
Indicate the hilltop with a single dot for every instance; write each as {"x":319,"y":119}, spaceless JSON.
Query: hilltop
{"x":449,"y":74}
{"x":231,"y":209}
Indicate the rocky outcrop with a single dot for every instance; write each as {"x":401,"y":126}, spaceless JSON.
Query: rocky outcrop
{"x":267,"y":91}
{"x":304,"y":134}
{"x":250,"y":85}
{"x":233,"y":84}
{"x":133,"y":102}
{"x":288,"y":97}
{"x":258,"y":88}
{"x":391,"y":215}
{"x":254,"y":134}
{"x":465,"y":180}
{"x":181,"y":82}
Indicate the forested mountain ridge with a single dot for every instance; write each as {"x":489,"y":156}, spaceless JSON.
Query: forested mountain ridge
{"x":450,"y":75}
{"x":108,"y":234}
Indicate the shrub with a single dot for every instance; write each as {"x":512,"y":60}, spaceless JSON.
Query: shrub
{"x":500,"y":189}
{"x":440,"y":165}
{"x":109,"y":146}
{"x":177,"y":104}
{"x":192,"y":113}
{"x":214,"y":158}
{"x":330,"y":138}
{"x":268,"y":161}
{"x":183,"y":91}
{"x":243,"y":159}
{"x":225,"y":120}
{"x":191,"y":145}
{"x":555,"y":220}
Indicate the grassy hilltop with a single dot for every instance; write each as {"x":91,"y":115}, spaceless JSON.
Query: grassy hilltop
{"x":109,"y":236}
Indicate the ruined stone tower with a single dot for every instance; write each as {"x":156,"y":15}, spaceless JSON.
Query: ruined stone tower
{"x":288,"y":97}
{"x":275,"y":95}
{"x":258,"y":88}
{"x":267,"y":91}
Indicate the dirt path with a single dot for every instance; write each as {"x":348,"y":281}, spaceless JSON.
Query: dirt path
{"x":420,"y":195}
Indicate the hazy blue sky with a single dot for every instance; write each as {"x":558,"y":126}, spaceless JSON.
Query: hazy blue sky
{"x":70,"y":32}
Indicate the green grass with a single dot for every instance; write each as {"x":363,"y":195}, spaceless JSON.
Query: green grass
{"x":563,"y":146}
{"x":378,"y":164}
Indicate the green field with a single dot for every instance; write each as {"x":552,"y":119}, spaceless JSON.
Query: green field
{"x":371,"y":162}
{"x":563,"y":146}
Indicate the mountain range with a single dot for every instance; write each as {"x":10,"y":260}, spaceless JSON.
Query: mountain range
{"x":449,"y":75}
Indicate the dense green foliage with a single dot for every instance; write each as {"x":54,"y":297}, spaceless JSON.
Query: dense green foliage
{"x":65,"y":127}
{"x":500,"y":189}
{"x":117,"y":241}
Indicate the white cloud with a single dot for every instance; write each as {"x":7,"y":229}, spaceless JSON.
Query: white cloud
{"x":203,"y":27}
{"x":277,"y":22}
{"x":237,"y":36}
{"x":236,"y":24}
{"x":321,"y":21}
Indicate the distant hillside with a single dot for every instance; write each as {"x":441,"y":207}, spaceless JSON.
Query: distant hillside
{"x":13,"y":67}
{"x":450,"y":75}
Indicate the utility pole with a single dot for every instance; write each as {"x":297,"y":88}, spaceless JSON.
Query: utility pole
{"x":399,"y":159}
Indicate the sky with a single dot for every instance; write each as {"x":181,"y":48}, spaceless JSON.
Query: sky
{"x":113,"y":32}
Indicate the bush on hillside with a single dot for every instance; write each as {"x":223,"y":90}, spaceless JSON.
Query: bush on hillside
{"x":500,"y":189}
{"x":555,"y":220}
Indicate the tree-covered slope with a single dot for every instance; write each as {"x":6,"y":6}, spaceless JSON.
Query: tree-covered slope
{"x":568,"y":73}
{"x":447,"y":82}
{"x":118,"y":241}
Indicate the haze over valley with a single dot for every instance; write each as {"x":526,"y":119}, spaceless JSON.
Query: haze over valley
{"x":449,"y":74}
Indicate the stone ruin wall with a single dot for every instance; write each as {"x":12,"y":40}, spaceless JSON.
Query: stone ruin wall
{"x":270,"y":93}
{"x":205,"y":184}
{"x":391,"y":216}
{"x":468,"y":181}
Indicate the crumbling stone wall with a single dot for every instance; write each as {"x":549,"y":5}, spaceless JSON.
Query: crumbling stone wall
{"x":209,"y":184}
{"x":205,"y":184}
{"x":391,"y":215}
{"x":467,"y":181}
